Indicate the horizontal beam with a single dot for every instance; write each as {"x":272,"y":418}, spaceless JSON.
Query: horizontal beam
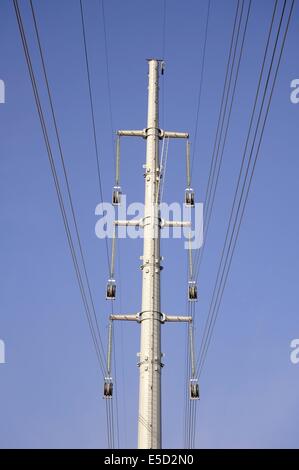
{"x":125,"y":317}
{"x":164,"y":223}
{"x":174,"y":135}
{"x":162,"y":134}
{"x":126,"y":223}
{"x":132,"y":133}
{"x":164,"y":318}
{"x":174,"y":223}
{"x":178,"y":318}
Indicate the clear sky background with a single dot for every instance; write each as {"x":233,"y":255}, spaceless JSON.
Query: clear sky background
{"x":51,"y":387}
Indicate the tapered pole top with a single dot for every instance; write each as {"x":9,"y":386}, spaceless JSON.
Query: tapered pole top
{"x":156,"y":60}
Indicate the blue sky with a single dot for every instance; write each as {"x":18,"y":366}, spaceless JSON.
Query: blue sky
{"x":50,"y":386}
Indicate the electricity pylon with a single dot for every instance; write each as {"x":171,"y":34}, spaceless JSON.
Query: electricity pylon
{"x":150,"y":317}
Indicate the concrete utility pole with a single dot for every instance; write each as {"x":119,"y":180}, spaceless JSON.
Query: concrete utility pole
{"x":149,"y":426}
{"x":151,"y":317}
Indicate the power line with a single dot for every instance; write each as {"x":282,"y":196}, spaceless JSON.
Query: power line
{"x":102,"y":8}
{"x":187,"y":403}
{"x":116,"y":395}
{"x":164,"y":167}
{"x":210,"y":202}
{"x":66,"y":178}
{"x":211,"y":311}
{"x":232,"y":243}
{"x":92,"y":116}
{"x":187,"y":372}
{"x":108,"y":428}
{"x":109,"y":405}
{"x":211,"y":171}
{"x":186,"y":389}
{"x":56,"y":182}
{"x":191,"y":411}
{"x":189,"y":441}
{"x":164,"y":30}
{"x":201,"y":84}
{"x":242,"y":212}
{"x":247,"y":140}
{"x":164,"y":16}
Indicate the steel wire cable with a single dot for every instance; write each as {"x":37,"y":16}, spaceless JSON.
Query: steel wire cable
{"x":233,"y":242}
{"x":61,"y":153}
{"x":56,"y":181}
{"x":247,"y":140}
{"x":200,"y":85}
{"x":221,"y":110}
{"x":214,"y":190}
{"x":94,"y":133}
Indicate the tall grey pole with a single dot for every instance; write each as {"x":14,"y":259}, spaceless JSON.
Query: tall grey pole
{"x":149,"y":420}
{"x":151,"y":317}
